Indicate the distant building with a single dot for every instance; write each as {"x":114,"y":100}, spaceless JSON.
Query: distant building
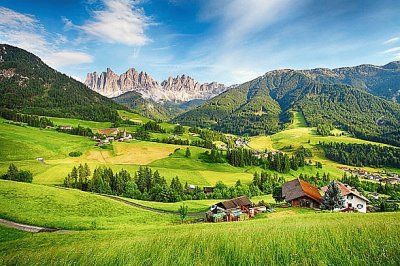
{"x":354,"y":200}
{"x":300,"y":193}
{"x":208,"y":190}
{"x":65,"y":127}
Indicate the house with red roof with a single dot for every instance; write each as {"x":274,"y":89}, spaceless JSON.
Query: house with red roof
{"x":300,"y":193}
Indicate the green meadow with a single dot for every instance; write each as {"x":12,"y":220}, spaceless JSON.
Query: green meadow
{"x":107,"y":232}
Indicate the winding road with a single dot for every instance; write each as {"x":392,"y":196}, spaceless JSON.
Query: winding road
{"x":31,"y":228}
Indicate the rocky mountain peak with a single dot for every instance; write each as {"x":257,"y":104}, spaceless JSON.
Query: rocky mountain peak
{"x":179,"y":89}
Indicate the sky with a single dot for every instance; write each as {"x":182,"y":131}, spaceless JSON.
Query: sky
{"x":228,"y":41}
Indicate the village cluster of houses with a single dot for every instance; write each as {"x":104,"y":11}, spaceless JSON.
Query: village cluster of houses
{"x":390,"y":178}
{"x":297,"y":193}
{"x":111,"y":134}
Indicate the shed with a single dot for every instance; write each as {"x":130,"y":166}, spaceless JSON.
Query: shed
{"x":235,"y":203}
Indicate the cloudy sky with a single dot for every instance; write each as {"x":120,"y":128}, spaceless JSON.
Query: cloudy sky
{"x":228,"y":41}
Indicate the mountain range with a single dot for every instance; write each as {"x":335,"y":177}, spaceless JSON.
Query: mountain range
{"x":179,"y":89}
{"x":356,"y":99}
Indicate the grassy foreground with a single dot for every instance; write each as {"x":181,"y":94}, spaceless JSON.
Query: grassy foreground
{"x":113,"y":233}
{"x":302,"y":239}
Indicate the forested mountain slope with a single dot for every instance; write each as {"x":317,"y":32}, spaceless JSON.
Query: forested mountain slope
{"x":381,"y":81}
{"x":145,"y":107}
{"x":30,"y":86}
{"x":263,"y":105}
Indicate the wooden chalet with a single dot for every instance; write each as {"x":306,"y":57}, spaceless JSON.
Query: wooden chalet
{"x":239,"y":202}
{"x":237,"y":209}
{"x":300,"y":193}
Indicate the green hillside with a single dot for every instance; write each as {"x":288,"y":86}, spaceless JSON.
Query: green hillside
{"x":113,"y":233}
{"x":145,"y":107}
{"x":265,"y":105}
{"x":382,"y":81}
{"x":30,"y":86}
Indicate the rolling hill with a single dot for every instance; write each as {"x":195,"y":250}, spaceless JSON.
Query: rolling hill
{"x":28,"y":85}
{"x":264,"y":105}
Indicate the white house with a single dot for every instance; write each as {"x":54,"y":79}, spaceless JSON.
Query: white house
{"x":354,"y":200}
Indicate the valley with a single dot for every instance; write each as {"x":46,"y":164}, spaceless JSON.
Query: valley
{"x":135,"y":180}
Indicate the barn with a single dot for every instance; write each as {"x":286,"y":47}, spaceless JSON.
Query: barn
{"x":300,"y":193}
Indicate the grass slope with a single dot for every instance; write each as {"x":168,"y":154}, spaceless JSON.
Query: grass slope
{"x":69,"y":209}
{"x":285,"y":238}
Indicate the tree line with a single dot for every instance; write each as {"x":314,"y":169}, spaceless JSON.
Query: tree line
{"x":276,"y":161}
{"x":30,"y":120}
{"x":80,"y":131}
{"x":14,"y":174}
{"x":149,"y":185}
{"x":362,"y":154}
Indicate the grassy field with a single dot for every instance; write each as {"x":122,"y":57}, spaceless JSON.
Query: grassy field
{"x":77,"y":122}
{"x":283,"y":238}
{"x":112,"y":233}
{"x":27,"y":143}
{"x":133,"y":117}
{"x":70,"y":208}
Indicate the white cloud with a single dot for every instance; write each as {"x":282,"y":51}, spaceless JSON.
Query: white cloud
{"x":77,"y":78}
{"x":121,"y":21}
{"x":238,"y":18}
{"x":391,"y":50}
{"x":26,"y":32}
{"x":65,"y":58}
{"x":392,"y":40}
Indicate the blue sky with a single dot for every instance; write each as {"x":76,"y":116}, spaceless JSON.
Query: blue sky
{"x":229,"y":41}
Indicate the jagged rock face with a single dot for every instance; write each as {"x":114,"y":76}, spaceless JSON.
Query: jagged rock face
{"x":179,"y":89}
{"x":185,"y":88}
{"x":111,"y":85}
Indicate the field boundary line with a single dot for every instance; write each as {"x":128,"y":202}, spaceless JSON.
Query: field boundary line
{"x":191,"y":214}
{"x":31,"y":228}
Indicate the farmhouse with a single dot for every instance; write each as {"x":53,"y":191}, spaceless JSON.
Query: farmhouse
{"x":300,"y":193}
{"x":354,"y":201}
{"x":237,"y":209}
{"x":240,"y":202}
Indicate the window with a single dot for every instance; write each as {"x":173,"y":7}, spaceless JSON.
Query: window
{"x":349,"y":196}
{"x":349,"y":205}
{"x":360,"y":206}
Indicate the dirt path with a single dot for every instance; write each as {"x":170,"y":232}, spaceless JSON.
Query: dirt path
{"x":191,"y":214}
{"x":30,"y":228}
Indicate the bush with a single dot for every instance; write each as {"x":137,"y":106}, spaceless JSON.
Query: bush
{"x":75,"y":154}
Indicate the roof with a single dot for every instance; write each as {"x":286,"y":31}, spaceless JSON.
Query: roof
{"x":234,"y":203}
{"x":298,"y":188}
{"x":108,"y":131}
{"x":347,"y":190}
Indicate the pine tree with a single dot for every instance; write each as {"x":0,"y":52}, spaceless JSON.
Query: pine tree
{"x":333,"y":198}
{"x":187,"y":154}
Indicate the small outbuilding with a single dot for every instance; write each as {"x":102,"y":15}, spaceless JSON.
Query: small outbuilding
{"x":300,"y":193}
